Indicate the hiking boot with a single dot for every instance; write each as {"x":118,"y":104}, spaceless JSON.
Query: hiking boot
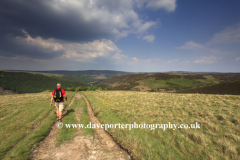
{"x":57,"y":118}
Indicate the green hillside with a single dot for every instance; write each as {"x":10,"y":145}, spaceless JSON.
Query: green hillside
{"x":88,"y":76}
{"x":167,"y":82}
{"x":41,"y":73}
{"x":23,"y":82}
{"x":85,"y":78}
{"x":232,"y":88}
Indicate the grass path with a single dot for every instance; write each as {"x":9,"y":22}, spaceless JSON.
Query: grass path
{"x":78,"y":143}
{"x":107,"y":142}
{"x":25,"y":119}
{"x":50,"y":140}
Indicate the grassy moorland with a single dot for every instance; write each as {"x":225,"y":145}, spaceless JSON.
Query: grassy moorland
{"x":25,"y":119}
{"x":232,"y":88}
{"x":166,"y":81}
{"x":218,"y":115}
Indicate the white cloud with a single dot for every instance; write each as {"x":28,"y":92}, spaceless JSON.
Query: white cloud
{"x":227,"y":36}
{"x":121,"y":34}
{"x":149,"y":38}
{"x":207,"y":60}
{"x":185,"y":62}
{"x":89,"y":52}
{"x":237,"y":59}
{"x":143,"y":28}
{"x":191,"y":45}
{"x":175,"y":60}
{"x":49,"y":44}
{"x":83,"y":52}
{"x":119,"y":56}
{"x":169,"y":5}
{"x":117,"y":17}
{"x":143,"y":62}
{"x":77,"y":51}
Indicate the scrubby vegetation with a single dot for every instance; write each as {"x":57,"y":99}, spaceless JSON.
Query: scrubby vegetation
{"x":153,"y":81}
{"x":22,"y":82}
{"x":167,"y":81}
{"x":231,"y":88}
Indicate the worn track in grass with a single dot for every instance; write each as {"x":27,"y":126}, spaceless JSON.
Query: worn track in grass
{"x":82,"y":147}
{"x":49,"y":142}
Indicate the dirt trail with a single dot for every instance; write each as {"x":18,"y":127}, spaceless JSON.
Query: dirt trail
{"x":49,"y":142}
{"x":106,"y":141}
{"x":82,"y":147}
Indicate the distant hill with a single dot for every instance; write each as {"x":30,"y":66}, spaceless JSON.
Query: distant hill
{"x":86,"y":72}
{"x":32,"y":72}
{"x":88,"y":76}
{"x":23,"y":82}
{"x":166,"y":82}
{"x":193,"y":72}
{"x":232,"y":88}
{"x":173,"y":81}
{"x":94,"y":77}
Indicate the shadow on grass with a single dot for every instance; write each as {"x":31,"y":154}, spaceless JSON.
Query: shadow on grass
{"x":69,"y":111}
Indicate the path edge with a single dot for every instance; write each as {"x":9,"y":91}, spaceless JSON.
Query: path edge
{"x":90,"y":112}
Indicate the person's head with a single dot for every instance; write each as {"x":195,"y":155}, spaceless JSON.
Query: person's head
{"x":58,"y":85}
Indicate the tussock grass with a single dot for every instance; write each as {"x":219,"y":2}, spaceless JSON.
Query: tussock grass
{"x":218,"y":116}
{"x":25,"y":119}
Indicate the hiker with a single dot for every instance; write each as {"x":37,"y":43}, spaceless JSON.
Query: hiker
{"x":57,"y":95}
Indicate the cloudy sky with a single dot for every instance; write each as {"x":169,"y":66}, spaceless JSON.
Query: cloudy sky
{"x":124,"y":35}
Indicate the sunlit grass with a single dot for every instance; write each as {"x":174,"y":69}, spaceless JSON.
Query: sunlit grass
{"x":218,"y":116}
{"x":20,"y":114}
{"x":209,"y":79}
{"x":173,"y":83}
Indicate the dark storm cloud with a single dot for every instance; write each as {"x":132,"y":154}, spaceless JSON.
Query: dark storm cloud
{"x":9,"y":47}
{"x":64,"y":22}
{"x":38,"y":19}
